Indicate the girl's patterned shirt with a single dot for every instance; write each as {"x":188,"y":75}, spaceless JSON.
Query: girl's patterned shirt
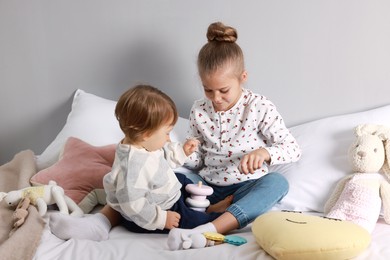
{"x":226,"y":136}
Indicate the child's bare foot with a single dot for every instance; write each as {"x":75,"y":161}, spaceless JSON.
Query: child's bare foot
{"x":220,"y":206}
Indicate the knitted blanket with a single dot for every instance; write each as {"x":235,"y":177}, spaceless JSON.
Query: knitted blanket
{"x":24,"y":241}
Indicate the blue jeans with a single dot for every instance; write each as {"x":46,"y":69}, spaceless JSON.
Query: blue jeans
{"x":250,"y":198}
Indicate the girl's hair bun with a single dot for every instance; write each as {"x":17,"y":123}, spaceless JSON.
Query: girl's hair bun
{"x":221,"y":33}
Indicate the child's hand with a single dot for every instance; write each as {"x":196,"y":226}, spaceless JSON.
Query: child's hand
{"x":253,"y":161}
{"x":190,"y":146}
{"x":173,"y":219}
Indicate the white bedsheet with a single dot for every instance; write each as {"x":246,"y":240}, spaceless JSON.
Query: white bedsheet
{"x":123,"y":244}
{"x":379,"y":248}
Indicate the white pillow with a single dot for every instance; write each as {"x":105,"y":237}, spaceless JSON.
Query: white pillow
{"x":324,"y":162}
{"x":92,"y":119}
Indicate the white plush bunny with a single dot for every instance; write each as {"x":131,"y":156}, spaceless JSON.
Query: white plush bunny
{"x":44,"y":195}
{"x":359,"y":196}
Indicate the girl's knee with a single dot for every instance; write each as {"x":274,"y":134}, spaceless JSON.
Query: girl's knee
{"x":279,"y":181}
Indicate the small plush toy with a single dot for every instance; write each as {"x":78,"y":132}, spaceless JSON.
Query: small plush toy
{"x":20,"y":214}
{"x":195,"y":241}
{"x":44,"y":195}
{"x":359,"y":197}
{"x":206,"y":239}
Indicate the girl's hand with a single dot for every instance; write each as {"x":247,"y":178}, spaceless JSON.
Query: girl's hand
{"x":190,"y":146}
{"x":173,"y":219}
{"x":253,"y":161}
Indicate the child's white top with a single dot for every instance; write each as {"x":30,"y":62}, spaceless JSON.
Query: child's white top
{"x":226,"y":136}
{"x":142,"y":184}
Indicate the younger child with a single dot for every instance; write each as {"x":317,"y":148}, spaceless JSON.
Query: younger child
{"x":142,"y":186}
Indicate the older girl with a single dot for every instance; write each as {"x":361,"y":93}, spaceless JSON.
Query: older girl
{"x":241,"y":133}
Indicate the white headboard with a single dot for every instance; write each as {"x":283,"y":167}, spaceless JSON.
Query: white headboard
{"x":311,"y":58}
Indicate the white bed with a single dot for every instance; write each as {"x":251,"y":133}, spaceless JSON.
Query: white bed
{"x":125,"y":245}
{"x":324,"y":143}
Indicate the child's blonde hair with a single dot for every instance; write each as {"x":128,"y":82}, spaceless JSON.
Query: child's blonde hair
{"x":220,"y":50}
{"x":144,"y":109}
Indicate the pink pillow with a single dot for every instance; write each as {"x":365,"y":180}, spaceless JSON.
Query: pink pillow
{"x":80,"y":170}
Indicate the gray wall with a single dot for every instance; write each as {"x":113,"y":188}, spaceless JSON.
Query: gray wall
{"x":312,"y":58}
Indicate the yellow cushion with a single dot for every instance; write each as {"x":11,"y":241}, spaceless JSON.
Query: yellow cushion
{"x":293,"y":235}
